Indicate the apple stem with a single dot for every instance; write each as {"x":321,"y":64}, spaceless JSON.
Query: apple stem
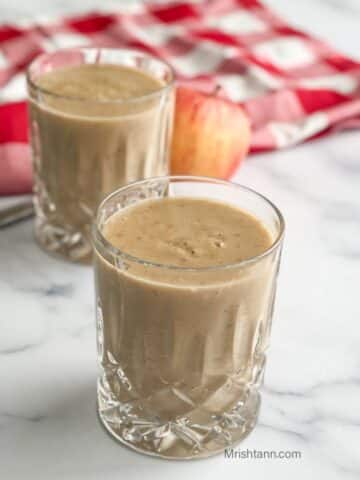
{"x":217,"y":90}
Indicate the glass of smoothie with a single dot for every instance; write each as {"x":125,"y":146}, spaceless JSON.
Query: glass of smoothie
{"x":185,"y":272}
{"x":99,"y":119}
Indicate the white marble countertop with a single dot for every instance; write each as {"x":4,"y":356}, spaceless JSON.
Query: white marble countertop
{"x":311,"y":398}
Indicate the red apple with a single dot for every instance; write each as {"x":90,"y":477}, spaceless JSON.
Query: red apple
{"x":211,"y":135}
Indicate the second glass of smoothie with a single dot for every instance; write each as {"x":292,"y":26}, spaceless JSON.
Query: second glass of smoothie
{"x":99,"y":119}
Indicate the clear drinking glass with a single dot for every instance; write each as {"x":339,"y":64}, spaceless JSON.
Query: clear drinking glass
{"x":85,"y":148}
{"x":182,"y":350}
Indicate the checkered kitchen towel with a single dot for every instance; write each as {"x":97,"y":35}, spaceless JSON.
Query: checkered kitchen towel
{"x":294,"y":87}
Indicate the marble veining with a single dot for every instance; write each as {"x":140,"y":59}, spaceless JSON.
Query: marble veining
{"x":311,"y":396}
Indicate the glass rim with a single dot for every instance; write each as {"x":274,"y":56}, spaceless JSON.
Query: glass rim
{"x":122,"y":101}
{"x":99,"y":239}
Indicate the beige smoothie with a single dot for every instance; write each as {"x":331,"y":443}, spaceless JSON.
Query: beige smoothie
{"x":95,"y":127}
{"x":183,"y":341}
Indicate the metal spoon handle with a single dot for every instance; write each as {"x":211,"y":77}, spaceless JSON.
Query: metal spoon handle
{"x":16,"y":213}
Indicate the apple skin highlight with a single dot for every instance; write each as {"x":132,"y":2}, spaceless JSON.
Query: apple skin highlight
{"x":211,"y":135}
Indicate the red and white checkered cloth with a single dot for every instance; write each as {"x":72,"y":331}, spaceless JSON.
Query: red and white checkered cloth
{"x":294,"y":87}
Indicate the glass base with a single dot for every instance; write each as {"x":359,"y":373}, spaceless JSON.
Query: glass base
{"x":199,"y":434}
{"x":68,"y":244}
